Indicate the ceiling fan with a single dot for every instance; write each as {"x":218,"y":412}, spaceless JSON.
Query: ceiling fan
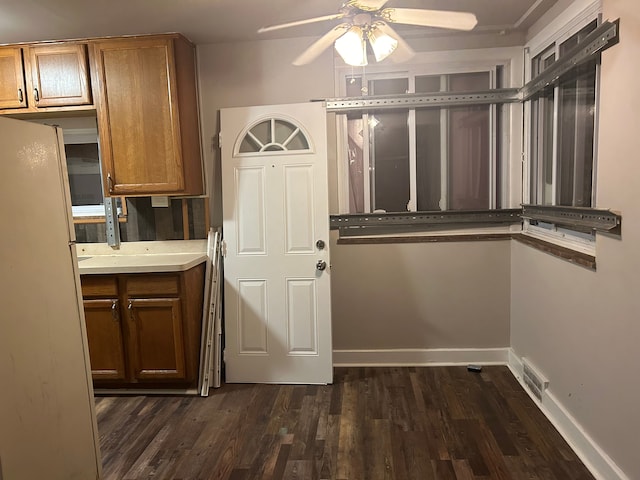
{"x":367,"y":21}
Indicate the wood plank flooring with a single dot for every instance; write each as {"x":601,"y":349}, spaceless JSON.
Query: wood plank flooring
{"x":432,"y":423}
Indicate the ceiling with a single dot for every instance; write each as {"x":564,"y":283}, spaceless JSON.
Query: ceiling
{"x":216,"y":21}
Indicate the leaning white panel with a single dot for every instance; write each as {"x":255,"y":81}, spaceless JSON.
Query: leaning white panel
{"x":302,"y":318}
{"x":251,"y":212}
{"x":253,"y":317}
{"x":299,"y":212}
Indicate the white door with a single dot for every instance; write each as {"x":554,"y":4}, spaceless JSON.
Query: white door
{"x":276,"y":233}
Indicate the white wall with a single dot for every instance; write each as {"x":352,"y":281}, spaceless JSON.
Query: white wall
{"x":421,"y":295}
{"x":581,"y":328}
{"x":253,"y":73}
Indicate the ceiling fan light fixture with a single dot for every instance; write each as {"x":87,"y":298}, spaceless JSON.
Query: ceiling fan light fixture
{"x":382,"y":44}
{"x":352,"y":47}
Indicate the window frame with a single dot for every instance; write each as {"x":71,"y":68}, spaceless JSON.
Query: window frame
{"x":508,"y":59}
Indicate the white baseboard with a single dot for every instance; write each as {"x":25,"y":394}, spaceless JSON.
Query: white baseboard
{"x":601,"y":466}
{"x":420,"y":357}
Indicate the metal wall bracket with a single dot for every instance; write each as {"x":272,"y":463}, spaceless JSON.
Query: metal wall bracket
{"x":414,"y":100}
{"x":111,"y":218}
{"x":601,"y":220}
{"x":389,"y":223}
{"x":603,"y":37}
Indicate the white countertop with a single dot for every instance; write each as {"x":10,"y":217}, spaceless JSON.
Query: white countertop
{"x":140,"y":257}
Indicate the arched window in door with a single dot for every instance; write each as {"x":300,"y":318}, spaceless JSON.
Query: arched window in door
{"x":273,"y":135}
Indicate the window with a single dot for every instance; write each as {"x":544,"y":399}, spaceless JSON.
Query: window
{"x":85,"y":178}
{"x":272,"y":135}
{"x":563,"y":132}
{"x":422,"y":159}
{"x":562,"y":135}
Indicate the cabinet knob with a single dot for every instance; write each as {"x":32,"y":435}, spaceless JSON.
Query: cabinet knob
{"x":36,"y":95}
{"x":20,"y":95}
{"x":130,"y":308}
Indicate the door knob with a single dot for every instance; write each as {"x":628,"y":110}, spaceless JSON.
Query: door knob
{"x":320,"y":244}
{"x":321,"y":265}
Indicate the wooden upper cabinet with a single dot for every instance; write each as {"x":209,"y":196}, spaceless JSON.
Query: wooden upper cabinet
{"x":59,"y":75}
{"x":147,"y":115}
{"x":12,"y":79}
{"x":44,"y":77}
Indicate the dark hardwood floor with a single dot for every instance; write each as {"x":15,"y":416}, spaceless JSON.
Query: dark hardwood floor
{"x":428,"y":423}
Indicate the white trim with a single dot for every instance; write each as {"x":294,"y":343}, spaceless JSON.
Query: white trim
{"x":570,"y":21}
{"x":342,"y":138}
{"x":565,"y":239}
{"x":420,"y":357}
{"x":527,"y":14}
{"x":435,"y":63}
{"x":594,"y":458}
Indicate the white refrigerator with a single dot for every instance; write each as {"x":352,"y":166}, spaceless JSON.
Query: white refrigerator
{"x":47,"y":417}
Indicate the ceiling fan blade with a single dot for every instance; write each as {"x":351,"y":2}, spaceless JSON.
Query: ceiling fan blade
{"x":301,"y":22}
{"x":320,"y":45}
{"x":430,"y":18}
{"x":403,"y":51}
{"x":366,"y":5}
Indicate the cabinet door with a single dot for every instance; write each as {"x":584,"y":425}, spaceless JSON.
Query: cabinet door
{"x":104,"y":334}
{"x":156,"y":344}
{"x":59,"y":75}
{"x":138,"y":116}
{"x":12,"y":84}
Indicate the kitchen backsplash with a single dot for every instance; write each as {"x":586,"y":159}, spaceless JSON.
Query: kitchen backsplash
{"x":147,"y":223}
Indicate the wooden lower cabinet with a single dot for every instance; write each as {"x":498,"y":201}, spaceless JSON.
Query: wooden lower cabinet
{"x":157,"y":339}
{"x":144,"y":329}
{"x":104,"y":333}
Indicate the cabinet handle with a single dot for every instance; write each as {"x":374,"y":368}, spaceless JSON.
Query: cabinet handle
{"x":109,"y":183}
{"x":114,"y":311}
{"x":36,"y":94}
{"x":130,"y":308}
{"x":20,"y":95}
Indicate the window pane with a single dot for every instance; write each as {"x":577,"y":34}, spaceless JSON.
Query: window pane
{"x":428,"y":84}
{"x":576,"y":129}
{"x":543,"y":61}
{"x":465,"y":82}
{"x":388,"y":86}
{"x":355,"y":135}
{"x":469,"y":146}
{"x":83,"y":165}
{"x":354,"y":86}
{"x":469,"y":158}
{"x":428,"y":158}
{"x":542,"y":150}
{"x":576,"y":137}
{"x":577,"y":38}
{"x":389,"y":152}
{"x":355,"y":152}
{"x":428,"y":152}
